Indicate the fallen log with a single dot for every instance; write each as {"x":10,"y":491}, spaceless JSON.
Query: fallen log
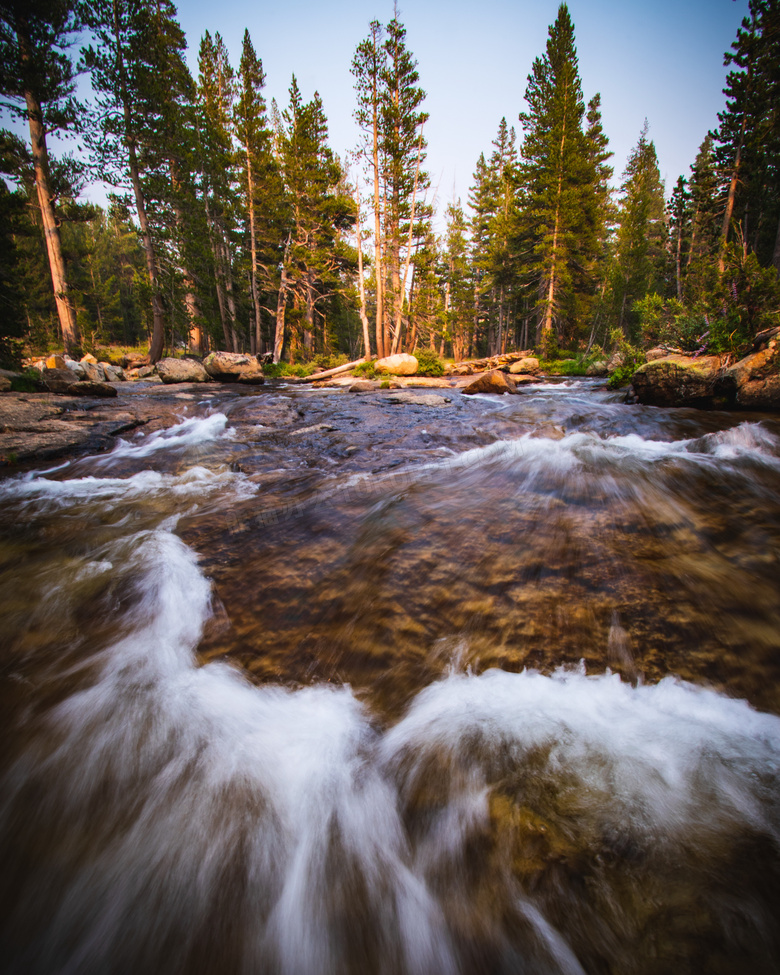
{"x":315,"y":377}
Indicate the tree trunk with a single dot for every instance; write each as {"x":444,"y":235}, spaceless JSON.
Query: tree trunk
{"x":65,"y":310}
{"x":361,"y":283}
{"x":281,"y":302}
{"x":380,"y":312}
{"x":776,"y":252}
{"x":158,"y":330}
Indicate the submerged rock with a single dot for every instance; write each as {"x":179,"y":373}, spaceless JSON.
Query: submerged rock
{"x":491,"y":382}
{"x":401,"y":364}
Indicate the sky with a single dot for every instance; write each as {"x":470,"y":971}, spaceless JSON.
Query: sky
{"x":661,"y":61}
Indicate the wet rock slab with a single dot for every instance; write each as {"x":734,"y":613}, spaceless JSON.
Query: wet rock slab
{"x":39,"y":426}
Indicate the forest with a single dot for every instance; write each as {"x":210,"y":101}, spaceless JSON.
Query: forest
{"x":232,"y":224}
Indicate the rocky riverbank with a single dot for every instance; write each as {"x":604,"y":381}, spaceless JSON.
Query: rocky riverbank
{"x":713,"y":381}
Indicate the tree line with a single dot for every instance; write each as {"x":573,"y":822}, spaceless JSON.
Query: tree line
{"x":232,"y":223}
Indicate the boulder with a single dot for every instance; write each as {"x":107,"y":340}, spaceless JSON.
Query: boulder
{"x":234,"y":367}
{"x":528,"y":366}
{"x":93,"y":371}
{"x":76,"y":368}
{"x":363,"y":386}
{"x":89,"y":359}
{"x":142,"y":372}
{"x":460,"y":369}
{"x":5,"y":385}
{"x":182,"y":371}
{"x":657,"y":353}
{"x":418,"y":399}
{"x":678,"y":380}
{"x":87,"y":387}
{"x":491,"y":382}
{"x":523,"y":380}
{"x":56,"y":362}
{"x":597,"y":369}
{"x":114,"y":374}
{"x":401,"y":364}
{"x":754,"y":382}
{"x":58,"y":380}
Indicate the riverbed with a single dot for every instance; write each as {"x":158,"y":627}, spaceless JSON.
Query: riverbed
{"x":309,"y":681}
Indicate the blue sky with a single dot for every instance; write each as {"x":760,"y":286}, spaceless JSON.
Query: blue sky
{"x":662,"y":61}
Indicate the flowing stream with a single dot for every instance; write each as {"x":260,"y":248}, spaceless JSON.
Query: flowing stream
{"x":307,"y":682}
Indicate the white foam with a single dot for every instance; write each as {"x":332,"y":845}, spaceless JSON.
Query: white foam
{"x":188,"y":433}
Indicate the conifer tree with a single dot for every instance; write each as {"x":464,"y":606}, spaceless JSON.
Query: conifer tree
{"x":556,"y":168}
{"x":403,"y":148}
{"x":37,"y":78}
{"x":748,"y":138}
{"x":321,"y":212}
{"x":457,"y":280}
{"x":217,"y":166}
{"x":642,"y":233}
{"x":368,"y":70}
{"x":139,"y":76}
{"x":261,"y":184}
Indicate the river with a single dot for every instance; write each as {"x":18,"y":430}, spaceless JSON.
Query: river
{"x":302,"y":681}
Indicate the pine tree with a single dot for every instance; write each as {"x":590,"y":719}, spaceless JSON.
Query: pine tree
{"x":261,"y":183}
{"x":458,"y":283}
{"x":217,"y":166}
{"x":642,"y":232}
{"x":556,"y":167}
{"x":748,"y":138}
{"x":37,"y":76}
{"x":368,"y":67}
{"x":322,"y":211}
{"x":139,"y":76}
{"x":679,"y":228}
{"x":403,"y":149}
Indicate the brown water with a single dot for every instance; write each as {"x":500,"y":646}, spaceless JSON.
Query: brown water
{"x":311,"y":682}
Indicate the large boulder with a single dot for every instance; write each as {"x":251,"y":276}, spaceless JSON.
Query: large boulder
{"x":76,"y":368}
{"x":679,"y":380}
{"x":56,"y":362}
{"x":401,"y":364}
{"x":526,"y":367}
{"x":754,"y":382}
{"x":491,"y":382}
{"x":58,"y":380}
{"x":182,"y":371}
{"x":93,"y":371}
{"x":114,"y":374}
{"x":89,"y":359}
{"x":234,"y":367}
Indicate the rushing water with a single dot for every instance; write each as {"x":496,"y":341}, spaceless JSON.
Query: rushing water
{"x":309,"y":682}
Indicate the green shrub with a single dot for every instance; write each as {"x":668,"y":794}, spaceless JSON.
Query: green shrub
{"x":564,"y":367}
{"x":428,"y":363}
{"x":365,"y":370}
{"x":633,"y":358}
